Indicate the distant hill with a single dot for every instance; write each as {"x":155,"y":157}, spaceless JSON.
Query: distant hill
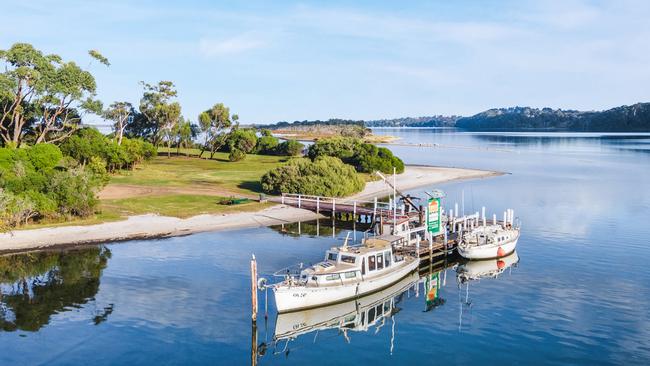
{"x":620,"y":119}
{"x":433,"y":121}
{"x":633,"y":118}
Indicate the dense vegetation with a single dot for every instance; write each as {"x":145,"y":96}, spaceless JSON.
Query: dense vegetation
{"x":317,"y":129}
{"x":366,"y":158}
{"x":625,"y":118}
{"x":433,"y":121}
{"x":324,"y":176}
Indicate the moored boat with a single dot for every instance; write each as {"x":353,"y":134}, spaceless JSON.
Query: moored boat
{"x":490,"y":241}
{"x":346,"y":273}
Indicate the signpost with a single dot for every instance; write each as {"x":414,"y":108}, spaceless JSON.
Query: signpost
{"x":434,"y":225}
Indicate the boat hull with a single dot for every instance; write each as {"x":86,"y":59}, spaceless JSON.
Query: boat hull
{"x":295,"y":323}
{"x":488,"y":251}
{"x":295,"y":298}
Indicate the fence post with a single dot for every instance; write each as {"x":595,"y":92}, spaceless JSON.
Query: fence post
{"x":333,"y":206}
{"x":298,"y":201}
{"x":354,"y":210}
{"x":283,"y":198}
{"x":317,"y":204}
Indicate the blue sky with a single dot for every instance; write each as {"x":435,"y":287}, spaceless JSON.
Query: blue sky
{"x":271,"y":60}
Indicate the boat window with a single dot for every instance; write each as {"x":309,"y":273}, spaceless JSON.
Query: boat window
{"x":333,"y":277}
{"x":371,"y":263}
{"x":371,"y":315}
{"x":386,"y":306}
{"x":348,"y":259}
{"x":332,"y":256}
{"x":314,"y":278}
{"x":363,"y":266}
{"x":380,"y":261}
{"x":350,"y":274}
{"x":387,"y":259}
{"x":380,"y":309}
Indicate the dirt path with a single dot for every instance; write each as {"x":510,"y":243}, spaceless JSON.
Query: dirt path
{"x":121,"y":191}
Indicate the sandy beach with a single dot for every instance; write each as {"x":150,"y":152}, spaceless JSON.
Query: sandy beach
{"x":155,"y":226}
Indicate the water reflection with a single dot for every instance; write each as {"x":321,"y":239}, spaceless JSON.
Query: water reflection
{"x":470,"y":271}
{"x":35,"y":286}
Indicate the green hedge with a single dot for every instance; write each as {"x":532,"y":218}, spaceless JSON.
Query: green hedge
{"x":366,"y":158}
{"x":325,"y":176}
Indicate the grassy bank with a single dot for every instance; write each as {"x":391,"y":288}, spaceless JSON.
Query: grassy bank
{"x":180,"y":186}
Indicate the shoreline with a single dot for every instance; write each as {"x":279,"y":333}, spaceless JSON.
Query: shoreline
{"x":153,"y":226}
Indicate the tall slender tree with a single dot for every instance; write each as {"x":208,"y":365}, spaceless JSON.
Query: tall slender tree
{"x":163,"y":113}
{"x":213,"y":123}
{"x":119,"y":113}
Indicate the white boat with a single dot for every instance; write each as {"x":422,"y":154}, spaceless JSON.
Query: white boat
{"x":488,"y":241}
{"x":348,"y":272}
{"x":355,"y":315}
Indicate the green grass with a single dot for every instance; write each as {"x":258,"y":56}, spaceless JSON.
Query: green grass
{"x":177,"y":205}
{"x":242,"y":176}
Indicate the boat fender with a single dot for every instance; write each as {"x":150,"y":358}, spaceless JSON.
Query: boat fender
{"x":501,"y":264}
{"x":261,"y":283}
{"x":501,"y":252}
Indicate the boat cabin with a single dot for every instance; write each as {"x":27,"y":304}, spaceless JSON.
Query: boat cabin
{"x":352,"y":263}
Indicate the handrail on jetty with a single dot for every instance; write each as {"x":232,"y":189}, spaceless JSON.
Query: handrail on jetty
{"x":333,"y":204}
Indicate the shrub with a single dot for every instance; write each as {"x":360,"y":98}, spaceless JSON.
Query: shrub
{"x":366,"y":158}
{"x":44,"y":156}
{"x":243,"y":139}
{"x":74,"y":191}
{"x":266,"y":145}
{"x":236,"y":155}
{"x":325,"y":176}
{"x":290,"y":148}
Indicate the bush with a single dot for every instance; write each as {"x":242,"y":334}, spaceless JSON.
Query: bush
{"x":236,"y":155}
{"x":366,"y":158}
{"x":44,"y":156}
{"x":290,"y":148}
{"x":325,"y":176}
{"x":266,"y":145}
{"x":74,"y":191}
{"x":243,"y":139}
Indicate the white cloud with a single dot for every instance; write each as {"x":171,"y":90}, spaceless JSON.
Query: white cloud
{"x":230,"y":46}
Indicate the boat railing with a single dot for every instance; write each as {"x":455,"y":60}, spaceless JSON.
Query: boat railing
{"x":292,"y":271}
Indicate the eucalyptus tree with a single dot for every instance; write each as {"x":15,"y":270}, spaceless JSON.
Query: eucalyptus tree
{"x":184,"y":133}
{"x":214,"y":123}
{"x":163,"y":113}
{"x":120,"y":114}
{"x":42,"y":96}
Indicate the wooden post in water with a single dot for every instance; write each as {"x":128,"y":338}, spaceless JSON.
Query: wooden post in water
{"x":254,"y":289}
{"x":333,"y":206}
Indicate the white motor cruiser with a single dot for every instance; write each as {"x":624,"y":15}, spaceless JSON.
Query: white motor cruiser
{"x":348,"y":272}
{"x":490,"y":241}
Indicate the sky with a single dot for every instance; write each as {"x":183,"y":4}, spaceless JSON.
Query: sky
{"x":275,"y":61}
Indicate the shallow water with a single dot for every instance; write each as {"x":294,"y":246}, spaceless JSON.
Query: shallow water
{"x":578,"y":295}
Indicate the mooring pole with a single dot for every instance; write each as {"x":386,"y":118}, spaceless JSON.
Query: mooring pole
{"x":374,"y":208}
{"x":254,"y":288}
{"x":333,"y":206}
{"x":317,"y":204}
{"x":298,"y":201}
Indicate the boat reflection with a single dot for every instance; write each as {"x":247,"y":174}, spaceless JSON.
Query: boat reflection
{"x":358,"y":315}
{"x":474,"y":271}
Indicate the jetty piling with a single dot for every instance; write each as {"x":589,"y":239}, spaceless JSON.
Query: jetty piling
{"x":254,"y":289}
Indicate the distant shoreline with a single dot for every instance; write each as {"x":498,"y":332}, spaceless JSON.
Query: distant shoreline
{"x":152,"y":226}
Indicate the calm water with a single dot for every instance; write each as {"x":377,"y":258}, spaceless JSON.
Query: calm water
{"x":579,"y":294}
